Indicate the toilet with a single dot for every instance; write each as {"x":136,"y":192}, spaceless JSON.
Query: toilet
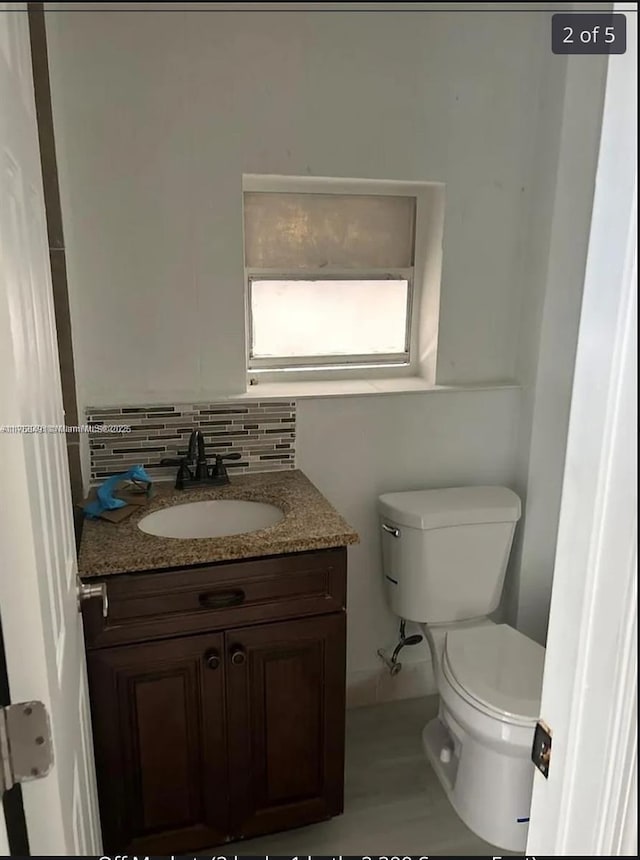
{"x":445,"y":555}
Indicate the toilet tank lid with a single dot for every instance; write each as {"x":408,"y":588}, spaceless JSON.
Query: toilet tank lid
{"x":451,"y":506}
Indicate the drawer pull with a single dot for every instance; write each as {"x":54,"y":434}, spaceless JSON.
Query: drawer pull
{"x":212,"y":659}
{"x":238,"y":655}
{"x":221,"y":599}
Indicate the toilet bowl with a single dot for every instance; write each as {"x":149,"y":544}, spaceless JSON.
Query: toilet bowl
{"x":445,"y":554}
{"x":479,"y":745}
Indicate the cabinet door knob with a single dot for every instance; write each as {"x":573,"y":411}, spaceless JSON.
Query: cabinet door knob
{"x":212,"y":659}
{"x":238,"y":655}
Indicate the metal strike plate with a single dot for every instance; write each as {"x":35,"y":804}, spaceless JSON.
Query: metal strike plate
{"x":26,"y":748}
{"x":541,"y":750}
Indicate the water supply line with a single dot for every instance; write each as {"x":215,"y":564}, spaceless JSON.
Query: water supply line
{"x":392,"y":663}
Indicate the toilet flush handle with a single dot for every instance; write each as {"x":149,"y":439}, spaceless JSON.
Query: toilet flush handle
{"x":390,"y":530}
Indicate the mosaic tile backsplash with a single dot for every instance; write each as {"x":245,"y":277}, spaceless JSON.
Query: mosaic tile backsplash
{"x":263,"y":431}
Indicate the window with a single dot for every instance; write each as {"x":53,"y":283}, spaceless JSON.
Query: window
{"x":330,"y":279}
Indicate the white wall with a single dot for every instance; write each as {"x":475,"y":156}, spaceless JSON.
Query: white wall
{"x":554,"y":263}
{"x":158,"y":115}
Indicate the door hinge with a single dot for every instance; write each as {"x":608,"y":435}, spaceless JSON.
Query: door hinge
{"x":26,"y":749}
{"x":541,"y":750}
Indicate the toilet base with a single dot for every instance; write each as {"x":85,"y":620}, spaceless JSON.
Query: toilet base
{"x":491,"y":811}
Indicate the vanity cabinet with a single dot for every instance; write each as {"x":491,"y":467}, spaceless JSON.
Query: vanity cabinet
{"x":218,"y":700}
{"x":159,"y":736}
{"x":285,"y":723}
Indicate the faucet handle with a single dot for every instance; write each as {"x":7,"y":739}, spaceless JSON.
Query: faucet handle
{"x":219,"y":470}
{"x":184,"y":473}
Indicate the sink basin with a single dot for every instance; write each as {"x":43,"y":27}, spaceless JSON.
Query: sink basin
{"x":209,"y":519}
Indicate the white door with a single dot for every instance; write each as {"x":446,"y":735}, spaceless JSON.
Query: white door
{"x":42,"y":628}
{"x":4,"y":842}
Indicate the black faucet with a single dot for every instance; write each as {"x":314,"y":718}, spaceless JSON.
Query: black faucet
{"x":196,"y":441}
{"x":214,"y":476}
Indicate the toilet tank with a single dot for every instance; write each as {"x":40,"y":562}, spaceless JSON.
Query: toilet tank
{"x":445,"y":552}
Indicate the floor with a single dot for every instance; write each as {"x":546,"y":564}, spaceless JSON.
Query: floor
{"x":394,"y":804}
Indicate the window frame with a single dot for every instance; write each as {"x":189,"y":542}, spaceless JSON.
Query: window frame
{"x":425,"y":282}
{"x":329,"y":363}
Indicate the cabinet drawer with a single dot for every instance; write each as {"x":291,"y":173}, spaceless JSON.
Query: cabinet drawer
{"x":153,"y":605}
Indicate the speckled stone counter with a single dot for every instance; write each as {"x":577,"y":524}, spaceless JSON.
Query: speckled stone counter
{"x":310,"y":522}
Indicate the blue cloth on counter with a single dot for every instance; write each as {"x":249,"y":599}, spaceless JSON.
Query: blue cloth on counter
{"x":105,"y":500}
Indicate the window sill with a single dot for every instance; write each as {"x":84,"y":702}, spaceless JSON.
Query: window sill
{"x":359,"y":387}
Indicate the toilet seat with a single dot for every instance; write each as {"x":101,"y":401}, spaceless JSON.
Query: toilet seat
{"x":497,"y":670}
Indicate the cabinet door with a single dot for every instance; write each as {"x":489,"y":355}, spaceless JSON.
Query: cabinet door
{"x":285,"y":709}
{"x":158,"y":720}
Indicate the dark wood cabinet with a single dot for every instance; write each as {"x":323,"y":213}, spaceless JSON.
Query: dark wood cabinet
{"x":159,"y":734}
{"x":285,"y":709}
{"x":212,"y":736}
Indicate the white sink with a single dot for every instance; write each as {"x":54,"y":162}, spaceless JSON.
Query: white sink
{"x":211,"y":519}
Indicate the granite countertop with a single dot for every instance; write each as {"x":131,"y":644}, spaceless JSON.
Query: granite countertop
{"x":310,"y":522}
